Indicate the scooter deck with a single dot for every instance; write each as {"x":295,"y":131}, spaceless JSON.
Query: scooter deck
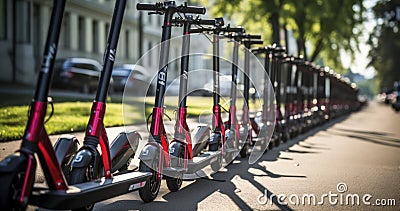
{"x":194,"y":165}
{"x":201,"y":161}
{"x":231,"y":150}
{"x":80,"y":195}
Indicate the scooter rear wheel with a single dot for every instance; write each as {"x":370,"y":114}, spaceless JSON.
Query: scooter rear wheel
{"x":150,"y":190}
{"x":174,"y":184}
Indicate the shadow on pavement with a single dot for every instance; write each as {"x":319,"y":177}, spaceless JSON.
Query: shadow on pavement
{"x":372,"y":137}
{"x":221,"y":184}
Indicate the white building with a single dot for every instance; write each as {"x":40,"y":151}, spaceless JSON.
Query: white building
{"x":84,"y":32}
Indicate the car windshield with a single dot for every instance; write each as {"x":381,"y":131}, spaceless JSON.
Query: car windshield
{"x":121,"y":72}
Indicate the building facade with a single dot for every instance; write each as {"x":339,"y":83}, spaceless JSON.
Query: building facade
{"x":85,"y":26}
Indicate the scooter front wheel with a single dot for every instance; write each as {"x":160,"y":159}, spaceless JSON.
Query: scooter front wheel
{"x":10,"y":189}
{"x":243,"y":151}
{"x":150,"y":190}
{"x":174,"y":184}
{"x":80,"y":175}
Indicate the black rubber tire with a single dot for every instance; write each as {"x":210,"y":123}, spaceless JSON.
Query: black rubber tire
{"x":213,"y":147}
{"x":150,"y":190}
{"x":277,"y":142}
{"x":177,"y":158}
{"x":243,"y":151}
{"x":77,"y":176}
{"x":10,"y":188}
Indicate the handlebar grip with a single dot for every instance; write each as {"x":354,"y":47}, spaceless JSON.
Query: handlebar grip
{"x":146,"y":6}
{"x":193,"y":10}
{"x":238,"y":30}
{"x":251,"y":36}
{"x":206,"y":22}
{"x":257,"y":42}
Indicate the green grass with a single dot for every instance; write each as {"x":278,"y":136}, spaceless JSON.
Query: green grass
{"x":68,"y":117}
{"x":72,"y":116}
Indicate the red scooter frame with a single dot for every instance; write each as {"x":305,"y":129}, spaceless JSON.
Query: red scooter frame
{"x":155,"y":155}
{"x":17,"y":171}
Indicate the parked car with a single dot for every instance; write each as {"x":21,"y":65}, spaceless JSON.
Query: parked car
{"x":77,"y":73}
{"x":134,"y":79}
{"x":172,"y":89}
{"x":225,"y":83}
{"x":396,"y":97}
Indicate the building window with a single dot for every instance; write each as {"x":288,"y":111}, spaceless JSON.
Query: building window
{"x":67,"y":31}
{"x":149,"y":18}
{"x":159,"y":20}
{"x":23,"y":21}
{"x":107,"y":28}
{"x":81,"y":33}
{"x":149,"y":54}
{"x":95,"y":40}
{"x":3,"y":19}
{"x":127,"y":43}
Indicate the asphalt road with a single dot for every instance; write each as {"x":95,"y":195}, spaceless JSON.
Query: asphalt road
{"x":355,"y":158}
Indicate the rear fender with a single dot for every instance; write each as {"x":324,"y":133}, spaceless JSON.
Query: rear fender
{"x":201,"y":134}
{"x":65,"y":148}
{"x":123,"y":147}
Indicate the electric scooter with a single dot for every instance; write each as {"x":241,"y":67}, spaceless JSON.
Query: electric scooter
{"x":187,"y":149}
{"x":263,"y":123}
{"x":321,"y":97}
{"x":17,"y":171}
{"x":155,"y":156}
{"x":307,"y":91}
{"x":219,"y":138}
{"x":278,"y":135}
{"x":246,"y":133}
{"x":289,"y":100}
{"x":232,"y":126}
{"x":299,"y":113}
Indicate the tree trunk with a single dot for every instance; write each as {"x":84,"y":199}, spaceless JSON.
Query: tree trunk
{"x":317,"y":50}
{"x":286,"y":37}
{"x":274,"y":20}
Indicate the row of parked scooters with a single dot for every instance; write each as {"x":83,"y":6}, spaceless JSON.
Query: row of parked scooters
{"x":76,"y":178}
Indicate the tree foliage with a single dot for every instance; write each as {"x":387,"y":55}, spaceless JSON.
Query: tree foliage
{"x":385,"y":43}
{"x":329,"y":26}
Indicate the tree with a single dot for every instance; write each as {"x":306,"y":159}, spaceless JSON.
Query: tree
{"x":330,"y":26}
{"x":385,"y":43}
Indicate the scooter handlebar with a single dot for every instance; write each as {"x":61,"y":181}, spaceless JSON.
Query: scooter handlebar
{"x":160,"y":7}
{"x":146,"y":6}
{"x":256,"y":42}
{"x":251,"y":36}
{"x":235,"y":30}
{"x":206,"y":22}
{"x":201,"y":30}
